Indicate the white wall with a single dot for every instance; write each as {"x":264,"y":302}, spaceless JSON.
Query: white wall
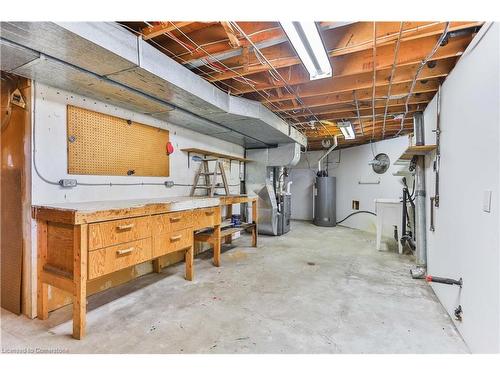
{"x":466,"y":240}
{"x":51,"y":153}
{"x":353,"y":167}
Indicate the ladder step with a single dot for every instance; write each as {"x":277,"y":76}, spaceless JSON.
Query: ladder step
{"x":208,"y":187}
{"x":209,"y":173}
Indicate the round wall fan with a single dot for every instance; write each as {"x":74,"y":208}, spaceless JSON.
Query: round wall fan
{"x":380,"y":163}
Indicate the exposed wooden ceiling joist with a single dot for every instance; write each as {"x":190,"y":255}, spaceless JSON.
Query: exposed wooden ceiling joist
{"x":411,"y":52}
{"x":224,"y":54}
{"x":153,"y":31}
{"x":330,"y":109}
{"x":365,"y":114}
{"x":398,"y":90}
{"x":300,"y":81}
{"x":231,"y":34}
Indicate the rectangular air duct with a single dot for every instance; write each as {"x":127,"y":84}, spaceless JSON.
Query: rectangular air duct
{"x":104,"y":61}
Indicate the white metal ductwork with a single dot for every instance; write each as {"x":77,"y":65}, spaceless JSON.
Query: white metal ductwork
{"x":286,"y":155}
{"x":104,"y":61}
{"x":264,"y":164}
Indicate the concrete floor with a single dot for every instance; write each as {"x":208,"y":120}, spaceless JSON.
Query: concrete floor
{"x":314,"y":290}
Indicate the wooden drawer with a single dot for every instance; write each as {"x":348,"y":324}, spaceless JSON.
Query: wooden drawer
{"x":174,"y":221}
{"x":174,"y":241}
{"x":114,"y":258}
{"x":206,"y":217}
{"x":118,"y":231}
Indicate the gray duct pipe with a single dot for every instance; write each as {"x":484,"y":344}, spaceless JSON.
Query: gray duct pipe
{"x":420,"y":226}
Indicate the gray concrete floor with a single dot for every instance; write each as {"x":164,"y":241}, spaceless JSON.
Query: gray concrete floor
{"x":314,"y":290}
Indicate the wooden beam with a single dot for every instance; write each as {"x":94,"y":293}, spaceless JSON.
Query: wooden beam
{"x":365,"y":114}
{"x":245,"y":58}
{"x":417,"y":99}
{"x":162,"y":28}
{"x":214,"y":40}
{"x":398,"y":90}
{"x":321,"y":132}
{"x":231,"y":35}
{"x":410,"y":52}
{"x":298,"y":77}
{"x":344,"y":39}
{"x":359,"y":140}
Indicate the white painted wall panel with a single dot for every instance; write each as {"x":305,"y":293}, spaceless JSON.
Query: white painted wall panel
{"x":466,"y":241}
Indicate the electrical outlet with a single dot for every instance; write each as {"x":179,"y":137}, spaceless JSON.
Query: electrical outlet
{"x":169,"y":183}
{"x":68,"y":183}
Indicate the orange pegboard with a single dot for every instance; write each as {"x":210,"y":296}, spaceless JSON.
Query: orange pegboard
{"x":101,"y":144}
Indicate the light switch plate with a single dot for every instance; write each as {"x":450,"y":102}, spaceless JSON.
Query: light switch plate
{"x":487,"y":200}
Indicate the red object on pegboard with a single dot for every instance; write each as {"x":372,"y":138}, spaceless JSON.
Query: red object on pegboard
{"x":170,"y":148}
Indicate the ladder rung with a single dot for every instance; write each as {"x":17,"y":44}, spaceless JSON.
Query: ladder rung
{"x":209,"y":159}
{"x":210,"y":173}
{"x":208,"y":187}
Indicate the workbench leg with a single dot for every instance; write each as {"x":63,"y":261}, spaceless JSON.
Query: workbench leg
{"x":229,"y":214}
{"x":189,"y":263}
{"x":42,"y":288}
{"x":217,"y":245}
{"x":80,"y":280}
{"x":254,"y":221}
{"x":156,"y":265}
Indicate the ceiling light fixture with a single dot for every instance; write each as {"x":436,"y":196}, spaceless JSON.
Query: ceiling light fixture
{"x":306,"y":40}
{"x":346,"y":129}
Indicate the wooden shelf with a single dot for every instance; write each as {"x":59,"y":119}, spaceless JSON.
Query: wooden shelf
{"x":214,"y":154}
{"x":231,"y":230}
{"x":416,"y":150}
{"x":226,"y":230}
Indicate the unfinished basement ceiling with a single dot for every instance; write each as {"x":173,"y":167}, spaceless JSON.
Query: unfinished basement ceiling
{"x":379,"y":77}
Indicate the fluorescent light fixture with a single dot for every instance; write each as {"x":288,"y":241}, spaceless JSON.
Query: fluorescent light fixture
{"x":346,"y":129}
{"x":306,"y":40}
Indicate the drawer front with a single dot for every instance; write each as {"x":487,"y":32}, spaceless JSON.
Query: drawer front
{"x":173,"y":221}
{"x":115,"y":232}
{"x":206,"y":217}
{"x":114,"y":258}
{"x":174,"y":241}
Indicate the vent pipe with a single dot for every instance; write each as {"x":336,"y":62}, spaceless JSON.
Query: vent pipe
{"x":333,"y":147}
{"x":420,"y":226}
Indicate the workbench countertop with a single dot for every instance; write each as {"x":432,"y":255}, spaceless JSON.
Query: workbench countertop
{"x":95,"y":211}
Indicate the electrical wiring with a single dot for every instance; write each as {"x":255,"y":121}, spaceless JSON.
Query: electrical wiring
{"x":374,"y":77}
{"x":290,"y":90}
{"x":228,"y":86}
{"x":236,"y":72}
{"x":419,"y":69}
{"x":357,"y":112}
{"x":355,"y":213}
{"x":381,"y":39}
{"x":33,"y":137}
{"x":245,"y":80}
{"x":393,"y":70}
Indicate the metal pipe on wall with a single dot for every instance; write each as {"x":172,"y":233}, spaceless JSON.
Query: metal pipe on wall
{"x":420,"y":226}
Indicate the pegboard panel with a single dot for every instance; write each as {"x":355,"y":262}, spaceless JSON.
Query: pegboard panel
{"x":101,"y":144}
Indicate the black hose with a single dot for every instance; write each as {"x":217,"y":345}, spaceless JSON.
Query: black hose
{"x":354,"y":213}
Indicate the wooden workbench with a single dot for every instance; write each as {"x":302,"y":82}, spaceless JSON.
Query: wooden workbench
{"x":78,"y":242}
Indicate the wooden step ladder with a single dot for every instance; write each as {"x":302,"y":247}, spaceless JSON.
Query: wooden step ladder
{"x":210,"y":183}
